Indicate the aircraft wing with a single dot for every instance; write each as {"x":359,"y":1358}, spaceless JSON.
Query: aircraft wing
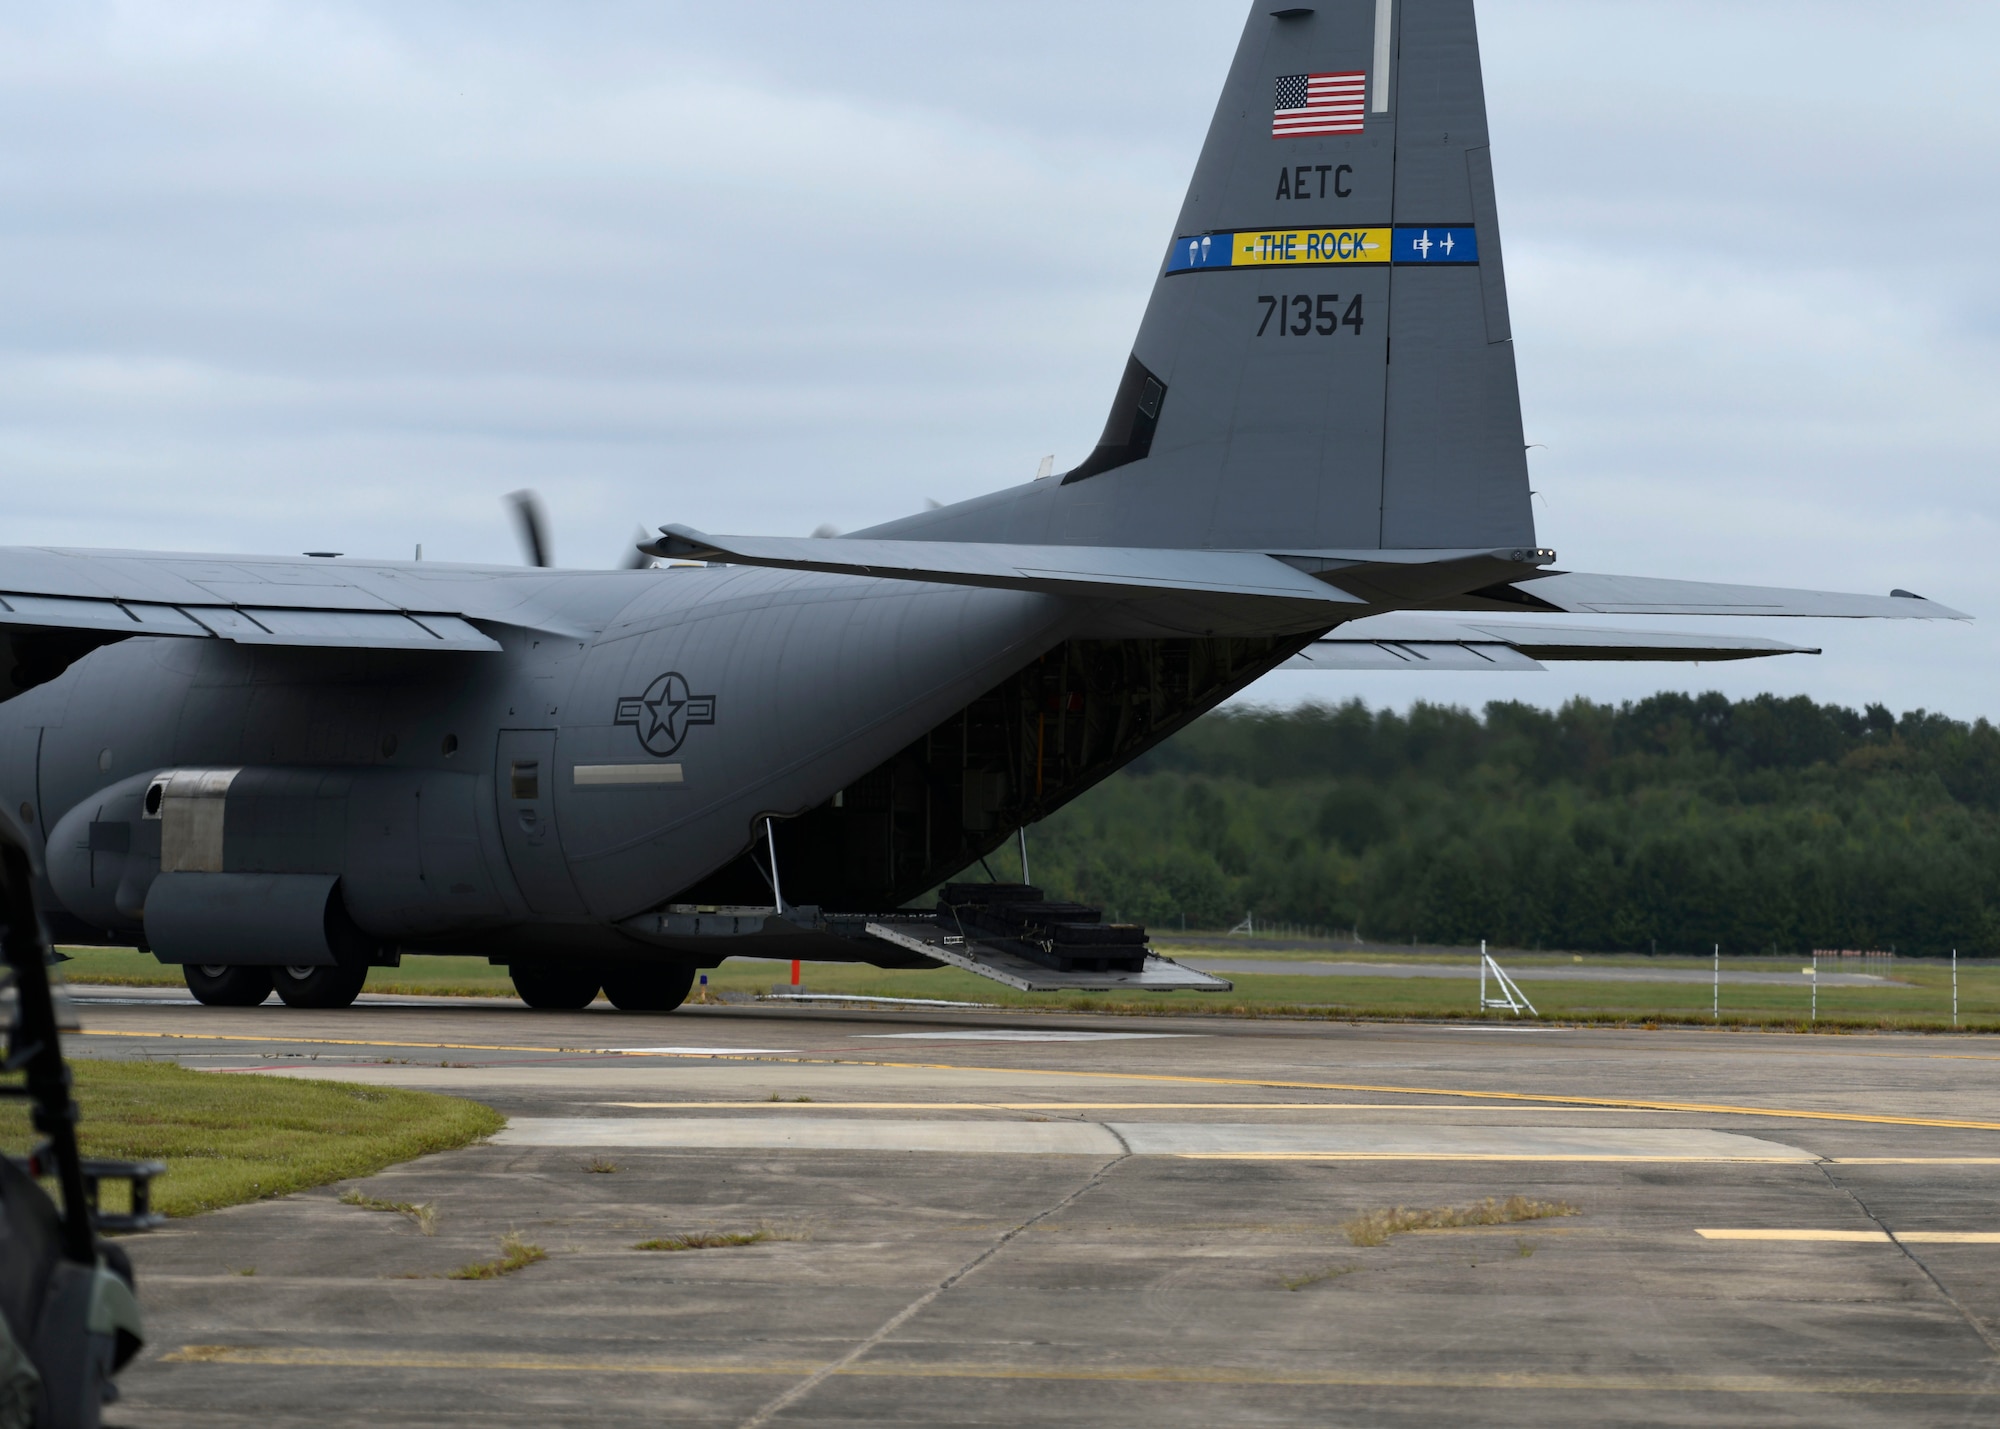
{"x":1419,"y":642}
{"x":264,"y":600}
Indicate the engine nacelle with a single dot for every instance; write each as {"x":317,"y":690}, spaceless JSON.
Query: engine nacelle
{"x":264,"y":919}
{"x":280,"y":857}
{"x":104,"y":854}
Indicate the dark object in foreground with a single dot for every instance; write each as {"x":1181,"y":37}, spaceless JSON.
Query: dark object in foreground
{"x":69,"y":1320}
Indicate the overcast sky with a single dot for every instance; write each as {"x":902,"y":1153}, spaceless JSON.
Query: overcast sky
{"x":289,"y":276}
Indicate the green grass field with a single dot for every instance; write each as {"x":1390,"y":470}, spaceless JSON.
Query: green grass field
{"x":1920,"y":999}
{"x":229,"y":1138}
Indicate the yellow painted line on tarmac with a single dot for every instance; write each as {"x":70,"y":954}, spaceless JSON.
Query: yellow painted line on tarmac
{"x":280,"y":1038}
{"x":397,"y":1359}
{"x":811,"y":1105}
{"x":1468,"y":1156}
{"x":1507,"y":1156}
{"x":1869,"y":1237}
{"x":1155,"y":1078}
{"x":1519,"y":1098}
{"x":1242,"y":1378}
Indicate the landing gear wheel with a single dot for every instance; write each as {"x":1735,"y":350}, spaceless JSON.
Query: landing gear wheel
{"x":554,"y":989}
{"x":653,"y":989}
{"x":322,"y":987}
{"x":221,"y":985}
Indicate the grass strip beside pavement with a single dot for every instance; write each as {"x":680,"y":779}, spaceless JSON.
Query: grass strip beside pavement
{"x":1918,"y":1001}
{"x":229,"y":1138}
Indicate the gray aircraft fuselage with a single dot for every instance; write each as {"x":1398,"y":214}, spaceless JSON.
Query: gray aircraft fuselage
{"x":527,"y":803}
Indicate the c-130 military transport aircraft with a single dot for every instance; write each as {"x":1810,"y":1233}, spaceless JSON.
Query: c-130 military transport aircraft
{"x":278,"y":771}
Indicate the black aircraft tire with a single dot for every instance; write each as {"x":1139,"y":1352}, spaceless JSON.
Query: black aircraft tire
{"x":321,"y":987}
{"x":217,"y":985}
{"x":654,"y":989}
{"x":555,"y":989}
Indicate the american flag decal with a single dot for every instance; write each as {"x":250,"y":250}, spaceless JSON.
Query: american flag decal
{"x":1319,"y":104}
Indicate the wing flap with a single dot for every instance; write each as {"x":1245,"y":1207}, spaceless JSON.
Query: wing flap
{"x":360,"y":629}
{"x":1415,"y":642}
{"x":249,"y":625}
{"x":56,"y":612}
{"x":1484,"y":657}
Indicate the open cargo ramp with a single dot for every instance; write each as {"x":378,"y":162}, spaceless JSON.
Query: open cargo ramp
{"x":1003,"y":961}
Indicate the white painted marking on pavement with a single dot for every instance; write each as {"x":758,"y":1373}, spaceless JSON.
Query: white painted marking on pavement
{"x":1430,"y":1142}
{"x":1218,"y":1140}
{"x":813,"y":1134}
{"x":701,"y":1051}
{"x":1003,"y":1035}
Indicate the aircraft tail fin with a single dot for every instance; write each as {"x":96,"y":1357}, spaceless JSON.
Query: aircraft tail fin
{"x":1326,"y":361}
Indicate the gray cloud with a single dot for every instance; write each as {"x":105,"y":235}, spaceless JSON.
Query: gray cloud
{"x":338,"y":275}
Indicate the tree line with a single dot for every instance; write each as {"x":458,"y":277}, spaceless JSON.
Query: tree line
{"x":1670,"y":823}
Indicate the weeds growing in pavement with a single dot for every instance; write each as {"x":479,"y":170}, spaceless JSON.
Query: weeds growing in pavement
{"x":515,"y":1254}
{"x":703,"y":1240}
{"x":717,"y":1240}
{"x":1314,"y":1277}
{"x":424,"y":1215}
{"x":1375,"y":1227}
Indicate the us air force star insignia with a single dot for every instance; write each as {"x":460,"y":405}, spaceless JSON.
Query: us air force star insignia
{"x":664,"y":714}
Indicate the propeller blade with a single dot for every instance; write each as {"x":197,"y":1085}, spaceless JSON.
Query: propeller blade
{"x":533,"y":525}
{"x":636,"y":559}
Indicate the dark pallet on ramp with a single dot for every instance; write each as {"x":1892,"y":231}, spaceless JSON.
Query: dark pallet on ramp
{"x":1011,"y":934}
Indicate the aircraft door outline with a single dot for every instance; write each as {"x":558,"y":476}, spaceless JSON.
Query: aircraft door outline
{"x":524,"y":775}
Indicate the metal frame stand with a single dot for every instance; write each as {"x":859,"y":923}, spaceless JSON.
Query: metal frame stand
{"x":1511,"y":998}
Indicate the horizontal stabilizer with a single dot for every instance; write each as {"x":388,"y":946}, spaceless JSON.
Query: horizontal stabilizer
{"x":1583,"y":594}
{"x":1414,"y":642}
{"x":1103,"y":571}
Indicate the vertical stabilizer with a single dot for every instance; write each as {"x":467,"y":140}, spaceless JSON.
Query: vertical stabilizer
{"x":1326,"y":361}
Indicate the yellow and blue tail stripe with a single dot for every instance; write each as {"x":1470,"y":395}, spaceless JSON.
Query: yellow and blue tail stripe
{"x":1413,"y":245}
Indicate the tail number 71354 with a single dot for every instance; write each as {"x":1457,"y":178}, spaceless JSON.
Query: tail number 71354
{"x":1300,"y":314}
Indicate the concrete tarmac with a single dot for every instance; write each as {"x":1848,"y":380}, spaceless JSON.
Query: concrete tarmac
{"x":1015,"y":1219}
